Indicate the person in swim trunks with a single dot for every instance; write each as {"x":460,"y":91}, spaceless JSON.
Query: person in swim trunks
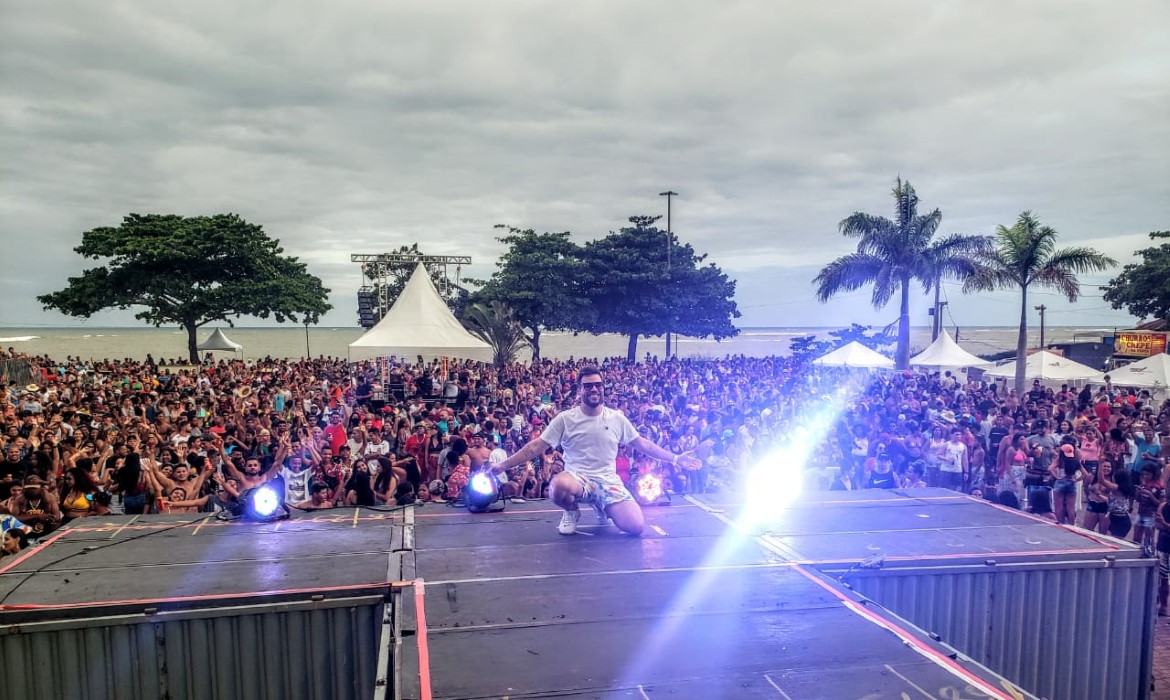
{"x":590,"y":434}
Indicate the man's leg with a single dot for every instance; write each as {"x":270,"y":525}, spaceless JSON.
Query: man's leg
{"x":565,"y":491}
{"x":627,"y":515}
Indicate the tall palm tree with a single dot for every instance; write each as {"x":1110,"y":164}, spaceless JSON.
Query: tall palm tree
{"x":495,"y":324}
{"x":893,"y":253}
{"x":1025,"y":255}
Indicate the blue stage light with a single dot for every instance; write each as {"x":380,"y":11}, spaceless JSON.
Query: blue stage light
{"x":483,"y":493}
{"x":263,"y":504}
{"x":483,"y":484}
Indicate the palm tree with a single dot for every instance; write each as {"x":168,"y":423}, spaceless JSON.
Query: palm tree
{"x":892,"y":254}
{"x":1026,"y":255}
{"x":495,"y":324}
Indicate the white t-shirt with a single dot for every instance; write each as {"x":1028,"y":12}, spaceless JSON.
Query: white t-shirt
{"x":590,"y":442}
{"x":296,"y":485}
{"x":953,"y":454}
{"x":377,"y":448}
{"x":498,"y":455}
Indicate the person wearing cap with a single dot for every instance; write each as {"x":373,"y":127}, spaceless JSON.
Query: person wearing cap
{"x":37,"y":508}
{"x":882,"y":476}
{"x":1066,"y":470}
{"x":590,"y":434}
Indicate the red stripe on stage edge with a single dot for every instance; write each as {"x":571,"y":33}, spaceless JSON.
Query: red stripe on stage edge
{"x":424,"y":654}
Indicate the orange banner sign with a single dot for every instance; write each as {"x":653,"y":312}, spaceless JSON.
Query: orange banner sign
{"x":1139,"y":344}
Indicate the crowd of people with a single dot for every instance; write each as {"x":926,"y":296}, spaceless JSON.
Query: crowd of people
{"x":131,"y":437}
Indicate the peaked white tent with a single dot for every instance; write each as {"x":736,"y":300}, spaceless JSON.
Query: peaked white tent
{"x":1048,"y":366}
{"x":945,"y":352}
{"x":218,"y":341}
{"x":1150,"y":373}
{"x":854,"y":355}
{"x":419,"y":323}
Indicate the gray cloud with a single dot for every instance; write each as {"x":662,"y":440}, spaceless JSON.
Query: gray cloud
{"x":354,"y":126}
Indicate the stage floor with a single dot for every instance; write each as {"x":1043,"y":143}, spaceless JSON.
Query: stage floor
{"x":697,"y":607}
{"x":502,"y":606}
{"x":115,"y":565}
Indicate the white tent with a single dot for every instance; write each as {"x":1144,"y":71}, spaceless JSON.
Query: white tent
{"x":1150,"y":373}
{"x":1047,"y":366}
{"x":945,"y":352}
{"x":218,"y":341}
{"x":854,"y":355}
{"x":419,"y":323}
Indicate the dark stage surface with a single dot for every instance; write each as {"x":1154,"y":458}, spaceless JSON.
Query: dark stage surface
{"x":132,"y":564}
{"x":500,"y":605}
{"x":696,"y":608}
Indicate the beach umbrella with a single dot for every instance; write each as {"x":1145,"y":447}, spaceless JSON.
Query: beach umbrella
{"x":855,"y":354}
{"x":1047,"y":366}
{"x":1150,"y":373}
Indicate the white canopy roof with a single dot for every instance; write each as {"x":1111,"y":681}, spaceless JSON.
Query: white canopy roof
{"x":420,"y":323}
{"x":1150,"y":373}
{"x":218,"y":341}
{"x":945,"y":352}
{"x":854,"y":354}
{"x":1044,"y":365}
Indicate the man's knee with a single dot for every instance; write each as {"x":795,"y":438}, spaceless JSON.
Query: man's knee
{"x":564,"y":490}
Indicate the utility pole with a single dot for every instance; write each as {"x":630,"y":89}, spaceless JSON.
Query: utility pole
{"x":1042,"y":308}
{"x":669,"y":244}
{"x":937,"y":326}
{"x":308,"y":356}
{"x":934,"y":327}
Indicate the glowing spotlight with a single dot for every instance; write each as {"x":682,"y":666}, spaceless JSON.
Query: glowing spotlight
{"x":648,"y":490}
{"x":483,"y":493}
{"x":263,"y":504}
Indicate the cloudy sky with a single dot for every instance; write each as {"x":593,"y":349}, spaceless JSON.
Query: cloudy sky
{"x":355,"y":126}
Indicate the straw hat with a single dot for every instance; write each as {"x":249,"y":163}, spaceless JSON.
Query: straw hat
{"x":244,"y":392}
{"x":32,"y":388}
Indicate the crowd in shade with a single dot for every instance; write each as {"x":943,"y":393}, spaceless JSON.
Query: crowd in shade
{"x":99,"y":438}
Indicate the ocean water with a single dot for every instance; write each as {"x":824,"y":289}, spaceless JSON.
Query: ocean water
{"x":93,"y":343}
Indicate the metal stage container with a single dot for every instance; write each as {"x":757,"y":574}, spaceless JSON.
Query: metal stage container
{"x":1061,"y":612}
{"x":183,"y":607}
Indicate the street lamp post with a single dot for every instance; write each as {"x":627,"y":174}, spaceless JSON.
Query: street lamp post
{"x":669,"y":244}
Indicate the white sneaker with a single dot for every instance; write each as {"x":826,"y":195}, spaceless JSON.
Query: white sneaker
{"x":568,"y":524}
{"x":602,"y":518}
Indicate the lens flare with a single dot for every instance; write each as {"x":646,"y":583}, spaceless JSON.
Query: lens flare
{"x":481,"y":483}
{"x":649,"y":488}
{"x":265,"y":501}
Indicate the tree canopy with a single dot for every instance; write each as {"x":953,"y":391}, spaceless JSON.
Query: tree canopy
{"x":891,"y":254}
{"x":190,"y":271}
{"x":634,"y":293}
{"x":1026,"y":256}
{"x":1143,"y":289}
{"x":540,"y":279}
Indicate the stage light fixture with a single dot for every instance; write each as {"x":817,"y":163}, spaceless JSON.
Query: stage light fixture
{"x":483,"y":493}
{"x":263,"y":504}
{"x":648,"y":490}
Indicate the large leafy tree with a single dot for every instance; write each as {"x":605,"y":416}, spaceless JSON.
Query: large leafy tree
{"x":540,"y":279}
{"x":190,"y":271}
{"x":634,"y":293}
{"x":1143,"y":289}
{"x":495,"y":324}
{"x":893,"y":253}
{"x":1026,"y":256}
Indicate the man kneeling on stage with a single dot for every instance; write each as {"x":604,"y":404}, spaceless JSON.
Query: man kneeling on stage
{"x":590,"y":434}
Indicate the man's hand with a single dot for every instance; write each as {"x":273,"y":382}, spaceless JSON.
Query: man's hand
{"x":688,"y":461}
